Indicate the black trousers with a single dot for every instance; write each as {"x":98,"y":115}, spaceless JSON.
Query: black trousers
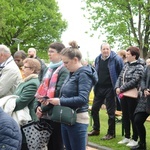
{"x":24,"y":146}
{"x":128,"y":106}
{"x":118,"y":104}
{"x":139,"y":121}
{"x":55,"y":142}
{"x":101,"y":95}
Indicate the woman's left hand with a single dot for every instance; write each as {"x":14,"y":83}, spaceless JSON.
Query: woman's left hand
{"x":54,"y":101}
{"x":118,"y":91}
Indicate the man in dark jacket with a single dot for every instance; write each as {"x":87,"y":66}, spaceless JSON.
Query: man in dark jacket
{"x":108,"y":66}
{"x":10,"y":135}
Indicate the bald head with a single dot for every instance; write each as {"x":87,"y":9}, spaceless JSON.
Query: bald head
{"x":31,"y":52}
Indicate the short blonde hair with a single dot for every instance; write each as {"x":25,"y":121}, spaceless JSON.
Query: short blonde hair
{"x":34,"y":64}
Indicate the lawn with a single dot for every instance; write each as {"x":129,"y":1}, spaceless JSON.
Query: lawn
{"x":113,"y":143}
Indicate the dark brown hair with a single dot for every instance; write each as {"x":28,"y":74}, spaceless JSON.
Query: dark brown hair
{"x":57,"y":46}
{"x":135,"y":51}
{"x":21,"y":54}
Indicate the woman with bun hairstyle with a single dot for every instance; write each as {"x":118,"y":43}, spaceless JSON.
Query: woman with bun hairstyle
{"x":75,"y":94}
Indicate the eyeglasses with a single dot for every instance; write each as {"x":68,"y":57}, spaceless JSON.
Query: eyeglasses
{"x":26,"y":67}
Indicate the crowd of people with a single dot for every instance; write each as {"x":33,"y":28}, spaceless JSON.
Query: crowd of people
{"x":35,"y":87}
{"x":133,"y":73}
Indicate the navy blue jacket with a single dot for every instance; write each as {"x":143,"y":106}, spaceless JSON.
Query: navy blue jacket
{"x":115,"y":65}
{"x":76,"y":88}
{"x":10,"y":134}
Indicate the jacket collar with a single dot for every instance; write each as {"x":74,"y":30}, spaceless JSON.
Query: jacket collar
{"x":31,"y":76}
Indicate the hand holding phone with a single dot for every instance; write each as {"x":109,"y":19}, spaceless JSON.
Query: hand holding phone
{"x":45,"y":97}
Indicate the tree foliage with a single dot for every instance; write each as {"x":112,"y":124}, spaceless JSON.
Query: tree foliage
{"x":126,"y":22}
{"x":36,"y":22}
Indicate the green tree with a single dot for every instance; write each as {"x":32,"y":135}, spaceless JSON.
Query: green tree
{"x":36,"y":22}
{"x":126,"y":22}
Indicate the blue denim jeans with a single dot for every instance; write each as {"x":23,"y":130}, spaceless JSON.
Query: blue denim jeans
{"x":74,"y":137}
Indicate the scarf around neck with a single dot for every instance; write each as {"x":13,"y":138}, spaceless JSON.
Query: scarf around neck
{"x":55,"y":65}
{"x":48,"y":85}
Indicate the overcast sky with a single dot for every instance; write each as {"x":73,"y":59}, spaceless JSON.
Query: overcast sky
{"x":77,"y":26}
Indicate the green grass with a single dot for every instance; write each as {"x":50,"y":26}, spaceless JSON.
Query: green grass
{"x":113,"y":143}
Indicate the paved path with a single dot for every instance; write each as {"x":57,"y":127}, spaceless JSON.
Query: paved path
{"x":93,"y":146}
{"x":90,"y":148}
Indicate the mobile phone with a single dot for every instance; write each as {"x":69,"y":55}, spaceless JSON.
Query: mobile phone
{"x":45,"y":97}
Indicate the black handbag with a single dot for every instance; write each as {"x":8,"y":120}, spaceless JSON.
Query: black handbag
{"x":37,"y":134}
{"x":63,"y":114}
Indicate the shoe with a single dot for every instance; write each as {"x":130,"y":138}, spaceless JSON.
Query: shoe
{"x":132,"y":143}
{"x":108,"y":137}
{"x":124,"y":141}
{"x":93,"y":132}
{"x":140,"y":146}
{"x":135,"y":147}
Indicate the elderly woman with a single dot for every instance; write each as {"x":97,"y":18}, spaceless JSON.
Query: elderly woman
{"x":24,"y":95}
{"x":27,"y":89}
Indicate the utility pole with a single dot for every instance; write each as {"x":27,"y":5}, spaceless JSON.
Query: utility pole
{"x":18,"y":41}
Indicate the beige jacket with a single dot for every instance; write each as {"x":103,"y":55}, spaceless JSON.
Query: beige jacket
{"x":10,"y":78}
